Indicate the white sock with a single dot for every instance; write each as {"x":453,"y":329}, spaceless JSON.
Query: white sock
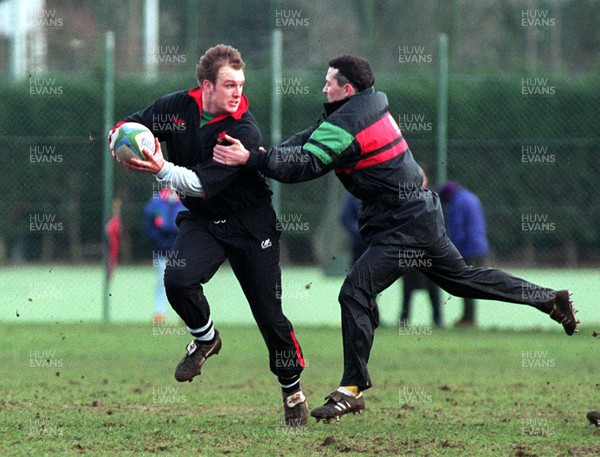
{"x":345,"y":391}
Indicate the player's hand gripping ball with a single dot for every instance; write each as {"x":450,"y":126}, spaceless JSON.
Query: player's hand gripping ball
{"x":128,"y":140}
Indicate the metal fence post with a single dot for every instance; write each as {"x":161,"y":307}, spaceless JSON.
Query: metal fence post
{"x":108,"y":163}
{"x":442,"y":130}
{"x":276,"y":69}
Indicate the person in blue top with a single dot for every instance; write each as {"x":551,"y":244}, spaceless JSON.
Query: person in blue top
{"x":160,"y":214}
{"x":466,"y":227}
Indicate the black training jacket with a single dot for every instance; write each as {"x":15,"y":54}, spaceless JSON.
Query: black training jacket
{"x":175,"y":119}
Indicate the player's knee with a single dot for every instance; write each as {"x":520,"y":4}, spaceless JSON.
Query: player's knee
{"x":347,"y":293}
{"x":171,"y":283}
{"x":176,"y":284}
{"x":175,"y":278}
{"x":181,"y":296}
{"x":172,"y":292}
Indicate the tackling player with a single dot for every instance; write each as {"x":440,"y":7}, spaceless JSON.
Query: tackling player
{"x":401,"y":220}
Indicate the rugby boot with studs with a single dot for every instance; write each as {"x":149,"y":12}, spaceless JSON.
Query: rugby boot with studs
{"x":594,"y":418}
{"x":563,"y":312}
{"x":295,"y":409}
{"x":339,"y":403}
{"x":197,"y":353}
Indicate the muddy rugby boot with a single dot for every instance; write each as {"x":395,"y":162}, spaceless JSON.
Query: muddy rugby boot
{"x":594,"y":418}
{"x":338,"y":404}
{"x":295,"y":409}
{"x":197,"y":353}
{"x":563,"y":311}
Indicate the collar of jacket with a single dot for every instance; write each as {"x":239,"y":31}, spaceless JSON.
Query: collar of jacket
{"x":331,"y":107}
{"x":196,"y":94}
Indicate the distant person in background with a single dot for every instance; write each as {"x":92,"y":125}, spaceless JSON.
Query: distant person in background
{"x":465,"y":223}
{"x":113,"y":236}
{"x":411,"y":280}
{"x":159,"y":217}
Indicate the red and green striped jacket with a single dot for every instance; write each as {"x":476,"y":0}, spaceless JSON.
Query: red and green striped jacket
{"x":362,"y":143}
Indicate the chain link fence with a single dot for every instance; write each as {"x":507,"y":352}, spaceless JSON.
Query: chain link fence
{"x":523,"y":140}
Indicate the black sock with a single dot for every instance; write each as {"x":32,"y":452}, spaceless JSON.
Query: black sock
{"x":289,"y":385}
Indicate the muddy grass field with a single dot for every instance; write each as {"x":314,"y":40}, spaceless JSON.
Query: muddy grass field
{"x":92,"y":389}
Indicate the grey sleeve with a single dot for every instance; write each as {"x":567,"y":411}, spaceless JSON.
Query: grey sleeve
{"x":181,"y":179}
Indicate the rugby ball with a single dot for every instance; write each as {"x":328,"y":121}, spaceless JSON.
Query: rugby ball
{"x":130,"y":138}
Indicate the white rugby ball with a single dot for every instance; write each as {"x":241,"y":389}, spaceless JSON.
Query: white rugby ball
{"x":130,"y":138}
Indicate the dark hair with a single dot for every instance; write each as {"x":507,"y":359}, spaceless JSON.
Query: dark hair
{"x":216,"y":57}
{"x":353,"y":70}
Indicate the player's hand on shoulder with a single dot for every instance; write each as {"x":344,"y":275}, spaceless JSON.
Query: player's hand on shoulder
{"x":234,"y":154}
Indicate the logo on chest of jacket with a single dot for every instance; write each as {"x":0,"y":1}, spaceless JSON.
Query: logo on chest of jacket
{"x":266,"y":244}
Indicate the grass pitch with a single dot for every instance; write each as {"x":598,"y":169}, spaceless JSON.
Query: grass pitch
{"x":73,"y":293}
{"x":97,"y":389}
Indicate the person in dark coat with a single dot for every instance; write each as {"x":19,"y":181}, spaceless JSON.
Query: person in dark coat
{"x":400,"y":219}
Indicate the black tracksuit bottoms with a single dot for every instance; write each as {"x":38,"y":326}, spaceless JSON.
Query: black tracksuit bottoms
{"x":381,"y":265}
{"x":250,"y":241}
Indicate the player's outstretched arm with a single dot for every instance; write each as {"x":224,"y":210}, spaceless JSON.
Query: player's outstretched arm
{"x":290,"y":162}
